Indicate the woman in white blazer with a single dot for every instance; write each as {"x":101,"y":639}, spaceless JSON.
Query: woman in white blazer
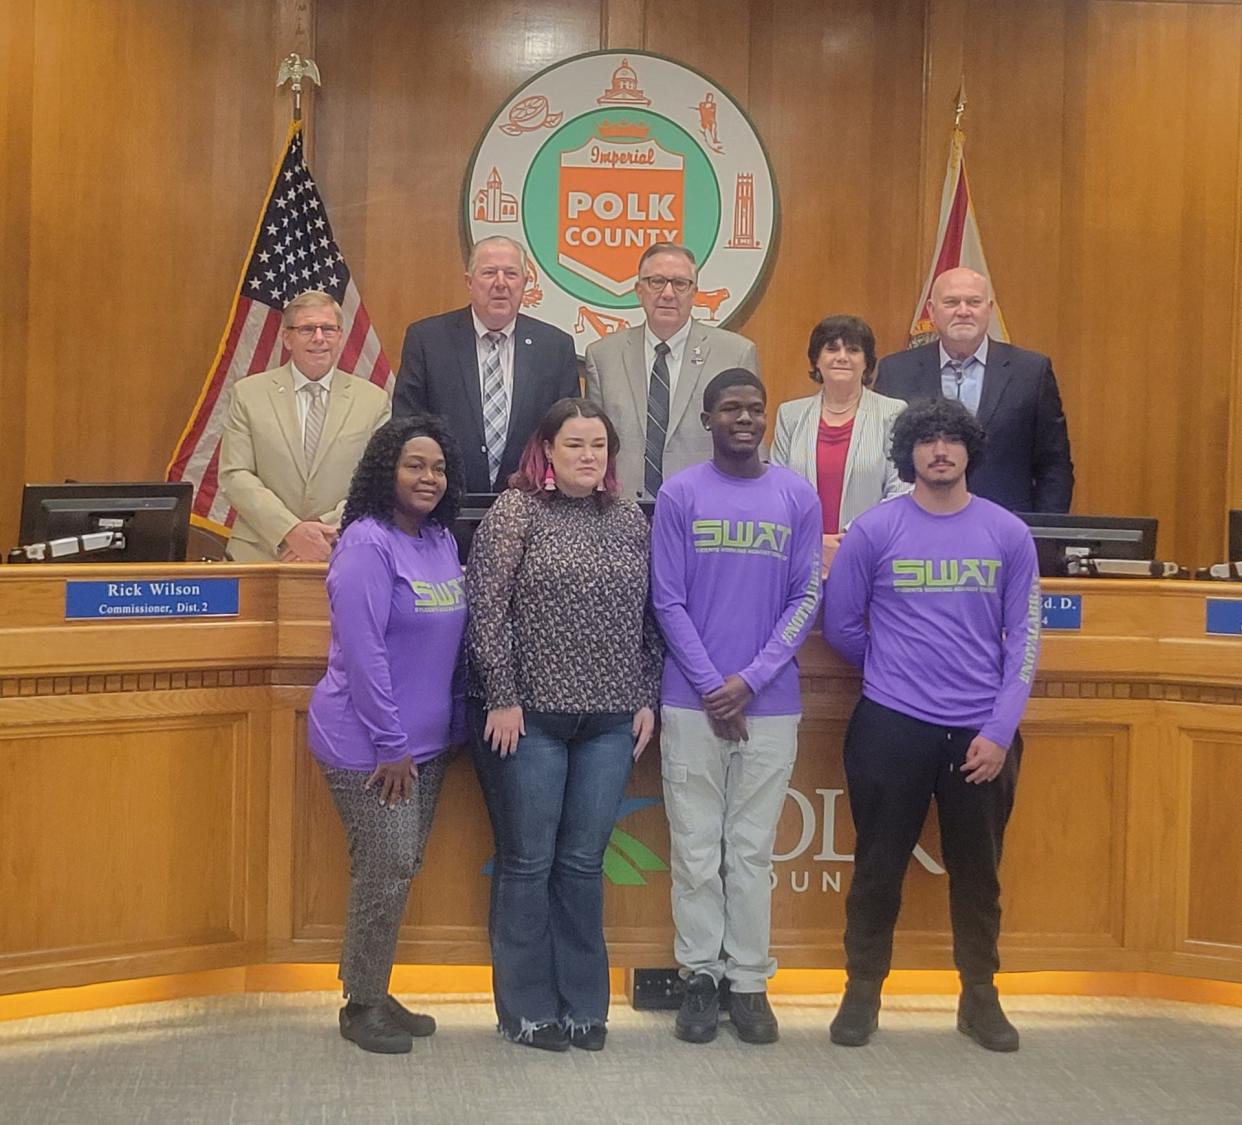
{"x":839,"y":438}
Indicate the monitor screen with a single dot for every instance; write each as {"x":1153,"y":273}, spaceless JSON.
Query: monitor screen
{"x":1102,"y":537}
{"x":153,"y":518}
{"x":1235,"y":535}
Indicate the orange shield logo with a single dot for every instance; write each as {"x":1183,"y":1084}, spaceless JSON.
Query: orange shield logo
{"x":619,"y":193}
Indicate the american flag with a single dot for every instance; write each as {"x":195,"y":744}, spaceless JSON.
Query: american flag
{"x":292,"y":251}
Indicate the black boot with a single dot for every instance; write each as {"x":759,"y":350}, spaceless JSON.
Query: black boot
{"x":979,"y":1015}
{"x":752,"y":1017}
{"x":372,"y":1027}
{"x":859,"y":1014}
{"x":699,"y":1017}
{"x":417,"y":1024}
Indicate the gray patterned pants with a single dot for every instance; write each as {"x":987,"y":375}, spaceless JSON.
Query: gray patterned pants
{"x":385,"y":853}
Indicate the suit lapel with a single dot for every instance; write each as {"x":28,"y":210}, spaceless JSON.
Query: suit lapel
{"x":340,"y":399}
{"x":467,"y":353}
{"x":808,"y":439}
{"x":633,"y":359}
{"x":995,"y":381}
{"x":930,"y":385}
{"x":282,"y":397}
{"x":694,"y":360}
{"x":524,"y":372}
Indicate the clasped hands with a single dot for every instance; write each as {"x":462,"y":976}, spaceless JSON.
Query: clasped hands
{"x":309,"y":541}
{"x":726,"y":709}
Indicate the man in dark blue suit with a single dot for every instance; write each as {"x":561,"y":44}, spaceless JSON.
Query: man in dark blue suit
{"x":488,"y":371}
{"x":1012,"y":391}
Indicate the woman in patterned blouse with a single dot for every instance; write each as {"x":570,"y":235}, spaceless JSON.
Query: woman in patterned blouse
{"x":565,"y":663}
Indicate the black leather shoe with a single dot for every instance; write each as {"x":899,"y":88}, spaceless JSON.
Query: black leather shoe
{"x":979,"y":1015}
{"x":372,"y":1028}
{"x":417,"y":1024}
{"x":589,"y":1038}
{"x":549,"y":1037}
{"x":752,"y":1017}
{"x":699,"y":1016}
{"x":859,"y":1014}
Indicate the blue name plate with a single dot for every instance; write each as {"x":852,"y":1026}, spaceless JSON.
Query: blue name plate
{"x":1224,"y":616}
{"x":152,"y":597}
{"x":1060,"y":611}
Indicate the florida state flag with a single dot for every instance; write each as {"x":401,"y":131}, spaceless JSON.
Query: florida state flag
{"x":957,"y":244}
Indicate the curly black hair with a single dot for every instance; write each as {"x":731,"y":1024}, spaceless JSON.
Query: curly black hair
{"x":929,"y":419}
{"x":372,"y":492}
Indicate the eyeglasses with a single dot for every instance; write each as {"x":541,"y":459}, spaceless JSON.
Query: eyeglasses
{"x":306,"y":331}
{"x":681,"y":285}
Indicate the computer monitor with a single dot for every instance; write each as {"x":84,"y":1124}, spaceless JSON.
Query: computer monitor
{"x":153,"y":518}
{"x":1103,"y":537}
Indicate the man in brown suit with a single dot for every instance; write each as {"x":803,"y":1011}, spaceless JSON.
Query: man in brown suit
{"x":292,"y":439}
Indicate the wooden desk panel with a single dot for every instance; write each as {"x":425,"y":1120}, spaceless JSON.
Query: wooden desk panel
{"x":159,"y":811}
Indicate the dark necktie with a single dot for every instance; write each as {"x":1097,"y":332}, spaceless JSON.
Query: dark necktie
{"x":657,"y":421}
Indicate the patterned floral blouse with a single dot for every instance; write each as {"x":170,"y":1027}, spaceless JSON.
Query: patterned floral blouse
{"x":559,"y":615}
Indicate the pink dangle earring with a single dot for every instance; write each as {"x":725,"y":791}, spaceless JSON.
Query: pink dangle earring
{"x":549,"y":479}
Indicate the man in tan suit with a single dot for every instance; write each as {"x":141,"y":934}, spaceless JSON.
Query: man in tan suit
{"x":292,"y":439}
{"x":650,"y":379}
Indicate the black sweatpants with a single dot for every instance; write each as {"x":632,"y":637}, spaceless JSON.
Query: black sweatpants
{"x":894,"y":765}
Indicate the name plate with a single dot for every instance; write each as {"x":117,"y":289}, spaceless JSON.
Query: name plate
{"x":1224,"y":616}
{"x":152,"y":597}
{"x":1060,"y":611}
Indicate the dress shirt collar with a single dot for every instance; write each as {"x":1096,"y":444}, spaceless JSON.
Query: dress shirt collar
{"x":481,"y":329}
{"x":300,"y":380}
{"x":980,"y":354}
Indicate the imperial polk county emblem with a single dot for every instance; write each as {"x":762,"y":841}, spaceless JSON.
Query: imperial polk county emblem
{"x":601,"y":156}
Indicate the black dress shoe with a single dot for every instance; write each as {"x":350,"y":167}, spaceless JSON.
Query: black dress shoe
{"x":417,"y":1024}
{"x":752,"y":1017}
{"x":859,"y":1014}
{"x":589,"y":1038}
{"x":980,"y":1016}
{"x":699,"y":1016}
{"x":372,"y":1028}
{"x":548,"y":1037}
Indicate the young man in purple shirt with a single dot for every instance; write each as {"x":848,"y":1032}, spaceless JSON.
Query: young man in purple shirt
{"x":735,"y":576}
{"x":935,"y":595}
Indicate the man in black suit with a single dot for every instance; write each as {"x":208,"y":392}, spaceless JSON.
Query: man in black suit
{"x":1012,"y":391}
{"x":488,"y":371}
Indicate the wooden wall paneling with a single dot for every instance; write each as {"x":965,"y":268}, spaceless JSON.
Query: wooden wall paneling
{"x":393,"y":144}
{"x":144,"y":846}
{"x":1209,"y":899}
{"x":1152,"y":236}
{"x":622,"y":24}
{"x":141,"y":213}
{"x":17,"y":36}
{"x":1070,"y":844}
{"x":834,"y":91}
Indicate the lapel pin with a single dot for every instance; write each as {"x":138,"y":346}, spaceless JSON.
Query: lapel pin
{"x":697,"y":355}
{"x":527,"y":340}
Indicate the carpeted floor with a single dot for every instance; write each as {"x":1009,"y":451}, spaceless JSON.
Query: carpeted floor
{"x":278,"y":1058}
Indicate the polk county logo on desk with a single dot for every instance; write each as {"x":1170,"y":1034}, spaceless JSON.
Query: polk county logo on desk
{"x":598,"y":157}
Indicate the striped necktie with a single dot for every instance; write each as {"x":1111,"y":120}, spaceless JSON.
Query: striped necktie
{"x":495,"y":405}
{"x":315,"y":415}
{"x":657,"y":421}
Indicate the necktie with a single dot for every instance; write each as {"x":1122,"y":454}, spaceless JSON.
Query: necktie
{"x":956,"y":367}
{"x":314,"y":422}
{"x":495,"y":405}
{"x":657,"y":421}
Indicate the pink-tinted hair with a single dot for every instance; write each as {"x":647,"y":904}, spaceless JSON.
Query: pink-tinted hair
{"x":533,"y":466}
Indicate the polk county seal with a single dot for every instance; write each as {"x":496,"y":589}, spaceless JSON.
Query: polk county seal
{"x":601,"y":156}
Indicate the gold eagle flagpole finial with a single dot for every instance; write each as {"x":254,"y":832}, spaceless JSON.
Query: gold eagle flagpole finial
{"x":959,"y":106}
{"x":294,"y":69}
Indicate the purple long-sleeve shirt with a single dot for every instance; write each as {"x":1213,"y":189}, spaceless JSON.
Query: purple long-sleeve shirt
{"x":395,"y":683}
{"x":735,"y":565}
{"x":941,"y":612}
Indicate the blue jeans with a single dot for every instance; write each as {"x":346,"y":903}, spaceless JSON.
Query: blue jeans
{"x":552,"y":805}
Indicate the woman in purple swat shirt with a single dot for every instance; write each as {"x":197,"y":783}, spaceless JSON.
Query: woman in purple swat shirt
{"x":391,"y":702}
